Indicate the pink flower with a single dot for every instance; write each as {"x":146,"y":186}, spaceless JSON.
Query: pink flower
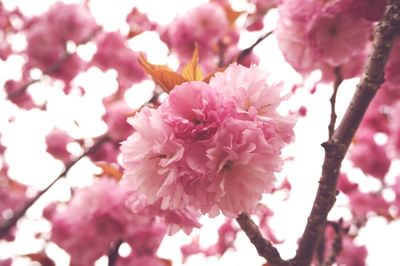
{"x":115,"y":117}
{"x":212,"y":147}
{"x":315,"y":35}
{"x":195,"y":111}
{"x":106,"y":152}
{"x":139,"y":22}
{"x":95,"y":218}
{"x":334,"y":40}
{"x":248,"y":89}
{"x":23,"y":100}
{"x":369,"y":156}
{"x":70,"y":22}
{"x":242,"y":166}
{"x":345,"y":185}
{"x":204,"y":25}
{"x":113,"y":53}
{"x":350,"y":254}
{"x":362,"y":204}
{"x":150,"y":154}
{"x":57,"y":141}
{"x":185,"y":218}
{"x":12,"y":198}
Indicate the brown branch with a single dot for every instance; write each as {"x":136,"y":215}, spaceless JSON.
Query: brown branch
{"x":336,"y":84}
{"x":9,"y":223}
{"x":249,"y":49}
{"x":336,"y":147}
{"x":264,"y":247}
{"x":337,"y":244}
{"x":113,"y":254}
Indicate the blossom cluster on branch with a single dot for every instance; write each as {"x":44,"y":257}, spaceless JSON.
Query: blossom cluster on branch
{"x":197,"y":146}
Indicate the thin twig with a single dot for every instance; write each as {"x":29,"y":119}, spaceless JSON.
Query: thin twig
{"x":264,"y":247}
{"x":9,"y":223}
{"x":56,"y":65}
{"x":336,"y":147}
{"x":336,"y":84}
{"x":113,"y":253}
{"x":248,"y":50}
{"x":337,"y":242}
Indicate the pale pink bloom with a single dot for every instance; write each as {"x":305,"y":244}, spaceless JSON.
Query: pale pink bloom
{"x":248,"y":88}
{"x":57,"y":141}
{"x":70,"y":22}
{"x":139,"y":22}
{"x":242,"y":167}
{"x":350,"y":254}
{"x":255,"y":20}
{"x":145,"y":240}
{"x":185,"y":218}
{"x":115,"y":118}
{"x":213,"y":147}
{"x":195,"y":111}
{"x":112,"y":52}
{"x":95,"y":218}
{"x":292,"y":41}
{"x":12,"y":198}
{"x":6,"y":262}
{"x":24,"y":100}
{"x":394,"y":128}
{"x":369,"y":156}
{"x":204,"y":25}
{"x":43,"y":49}
{"x":107,"y":152}
{"x":345,"y":185}
{"x":371,"y":10}
{"x":150,"y":155}
{"x":265,"y":214}
{"x":363,"y":204}
{"x":333,"y":39}
{"x":315,"y":35}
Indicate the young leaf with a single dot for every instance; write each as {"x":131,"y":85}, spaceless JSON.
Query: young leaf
{"x":192,"y":71}
{"x":165,"y":77}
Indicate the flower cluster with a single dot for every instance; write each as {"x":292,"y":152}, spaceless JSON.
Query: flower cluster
{"x":213,"y":146}
{"x":112,"y":52}
{"x":316,"y":35}
{"x":97,"y":218}
{"x":48,"y":34}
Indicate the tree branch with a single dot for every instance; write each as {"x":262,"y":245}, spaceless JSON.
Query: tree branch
{"x":264,"y":247}
{"x":56,"y":65}
{"x":336,"y":84}
{"x":249,"y":49}
{"x":9,"y":223}
{"x":336,"y":147}
{"x":113,"y":253}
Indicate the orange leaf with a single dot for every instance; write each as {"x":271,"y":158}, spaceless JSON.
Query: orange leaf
{"x":42,"y":258}
{"x":165,"y":77}
{"x":209,"y":76}
{"x":165,"y":262}
{"x":109,"y":170}
{"x":192,"y":71}
{"x":231,"y":14}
